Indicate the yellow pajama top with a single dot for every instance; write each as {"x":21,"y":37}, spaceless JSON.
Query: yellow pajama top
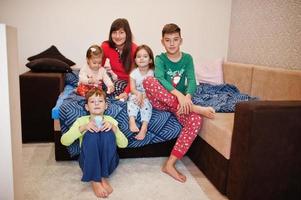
{"x":73,"y":133}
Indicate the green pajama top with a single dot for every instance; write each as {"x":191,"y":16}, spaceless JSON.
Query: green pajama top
{"x":176,"y":75}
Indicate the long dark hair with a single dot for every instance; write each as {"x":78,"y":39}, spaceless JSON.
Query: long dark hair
{"x":126,"y":52}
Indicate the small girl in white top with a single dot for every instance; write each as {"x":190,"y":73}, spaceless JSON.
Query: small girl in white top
{"x":144,"y":61}
{"x":93,"y":75}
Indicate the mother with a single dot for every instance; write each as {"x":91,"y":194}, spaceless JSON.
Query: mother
{"x":120,"y":49}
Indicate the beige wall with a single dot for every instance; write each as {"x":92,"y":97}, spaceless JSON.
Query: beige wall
{"x":266,"y":32}
{"x":74,"y":25}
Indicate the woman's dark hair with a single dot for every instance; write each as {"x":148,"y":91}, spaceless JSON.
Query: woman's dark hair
{"x":149,"y":52}
{"x":126,"y":52}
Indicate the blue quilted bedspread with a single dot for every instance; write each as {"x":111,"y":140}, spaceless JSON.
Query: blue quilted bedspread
{"x":222,"y":97}
{"x":163,"y":126}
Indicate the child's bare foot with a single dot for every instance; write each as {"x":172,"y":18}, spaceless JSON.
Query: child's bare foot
{"x":99,"y":190}
{"x":133,"y":125}
{"x":208,"y":112}
{"x":140,"y":136}
{"x":170,"y":169}
{"x":142,"y":132}
{"x":107,"y":186}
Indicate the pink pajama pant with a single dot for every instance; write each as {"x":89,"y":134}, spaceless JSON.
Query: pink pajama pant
{"x":161,"y":99}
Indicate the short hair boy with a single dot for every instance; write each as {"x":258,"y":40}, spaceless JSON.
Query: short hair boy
{"x":172,"y":90}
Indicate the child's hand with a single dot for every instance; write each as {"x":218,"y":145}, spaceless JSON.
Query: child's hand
{"x":143,"y":98}
{"x":123,"y":96}
{"x":92,"y":127}
{"x":139,"y":99}
{"x":95,"y":81}
{"x":90,"y":80}
{"x":185,"y":104}
{"x":106,"y":126}
{"x":111,"y":89}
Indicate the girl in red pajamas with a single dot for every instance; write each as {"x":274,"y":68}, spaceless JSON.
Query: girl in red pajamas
{"x":172,"y":90}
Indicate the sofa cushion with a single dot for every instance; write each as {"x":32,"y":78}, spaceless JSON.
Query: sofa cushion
{"x":217,"y":132}
{"x":210,"y":72}
{"x":52,"y":52}
{"x":48,"y":65}
{"x":270,"y":83}
{"x":239,"y":75}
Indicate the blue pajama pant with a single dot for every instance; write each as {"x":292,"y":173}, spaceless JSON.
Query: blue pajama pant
{"x":98,"y":157}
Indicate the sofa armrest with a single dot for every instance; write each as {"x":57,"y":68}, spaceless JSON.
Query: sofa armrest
{"x":38,"y":95}
{"x":265,"y":153}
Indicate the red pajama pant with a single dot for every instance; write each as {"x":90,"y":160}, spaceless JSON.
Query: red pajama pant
{"x":161,"y":99}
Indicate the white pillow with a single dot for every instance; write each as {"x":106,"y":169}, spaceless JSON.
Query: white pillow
{"x":210,"y":71}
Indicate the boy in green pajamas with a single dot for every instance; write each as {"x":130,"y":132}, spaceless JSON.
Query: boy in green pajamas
{"x":172,"y":90}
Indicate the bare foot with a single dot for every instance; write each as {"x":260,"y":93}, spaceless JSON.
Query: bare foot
{"x":106,"y":185}
{"x":99,"y":190}
{"x":142,"y":132}
{"x":133,"y":125}
{"x":170,"y":169}
{"x":205,"y":111}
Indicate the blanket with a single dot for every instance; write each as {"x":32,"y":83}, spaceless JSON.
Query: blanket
{"x":222,"y":97}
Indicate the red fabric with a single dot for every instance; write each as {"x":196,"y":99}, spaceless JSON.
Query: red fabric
{"x":116,"y":63}
{"x":127,"y":89}
{"x":161,"y":99}
{"x":82,"y":89}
